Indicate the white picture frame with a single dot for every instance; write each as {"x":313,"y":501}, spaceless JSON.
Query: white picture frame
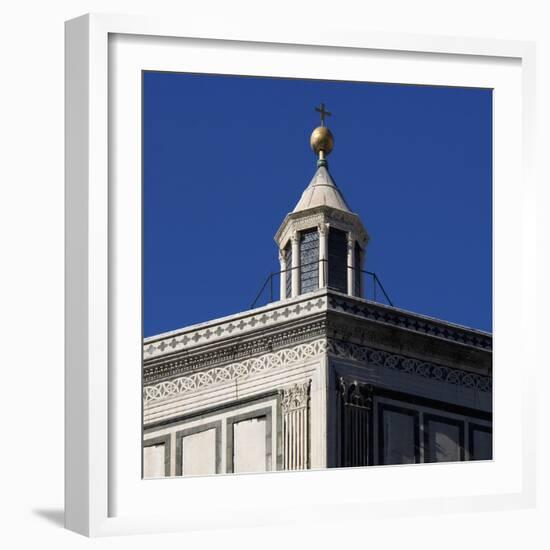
{"x":98,"y":501}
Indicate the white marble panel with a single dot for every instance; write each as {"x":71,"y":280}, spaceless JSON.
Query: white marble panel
{"x":249,"y":445}
{"x":199,"y":453}
{"x":153,"y":461}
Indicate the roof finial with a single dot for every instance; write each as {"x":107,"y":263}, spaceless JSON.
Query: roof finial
{"x":322,"y":140}
{"x":323,"y":113}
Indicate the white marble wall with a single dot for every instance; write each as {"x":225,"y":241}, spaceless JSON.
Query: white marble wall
{"x":246,"y":434}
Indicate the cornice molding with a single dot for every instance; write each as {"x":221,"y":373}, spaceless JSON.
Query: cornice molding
{"x":248,"y":322}
{"x":410,"y":321}
{"x":324,"y":215}
{"x":219,"y":355}
{"x":284,"y":323}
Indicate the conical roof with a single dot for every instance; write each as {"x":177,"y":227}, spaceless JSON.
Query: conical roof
{"x":322,"y":191}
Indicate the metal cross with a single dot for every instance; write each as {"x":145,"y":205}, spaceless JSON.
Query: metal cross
{"x":323,"y":113}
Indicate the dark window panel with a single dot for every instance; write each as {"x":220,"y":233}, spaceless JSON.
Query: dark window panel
{"x":481,"y":442}
{"x":443,"y":439}
{"x":309,"y":261}
{"x":398,"y":435}
{"x":337,"y":259}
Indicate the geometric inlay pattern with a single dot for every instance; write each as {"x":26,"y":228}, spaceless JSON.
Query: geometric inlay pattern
{"x":244,"y":369}
{"x":213,"y":332}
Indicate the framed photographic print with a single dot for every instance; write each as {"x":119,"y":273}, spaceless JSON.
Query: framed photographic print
{"x":290,"y":258}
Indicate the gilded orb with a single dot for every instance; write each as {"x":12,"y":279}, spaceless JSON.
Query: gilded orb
{"x":322,"y":140}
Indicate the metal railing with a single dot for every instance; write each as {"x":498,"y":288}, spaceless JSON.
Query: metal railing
{"x":269,"y":292}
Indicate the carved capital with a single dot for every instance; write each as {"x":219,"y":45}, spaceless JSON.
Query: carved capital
{"x":351,"y":241}
{"x":355,"y":393}
{"x":295,"y":237}
{"x":323,"y":229}
{"x":295,"y":396}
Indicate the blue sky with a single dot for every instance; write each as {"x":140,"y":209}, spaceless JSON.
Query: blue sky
{"x":225,"y":158}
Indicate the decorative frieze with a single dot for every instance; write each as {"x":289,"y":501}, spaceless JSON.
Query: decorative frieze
{"x":184,"y":362}
{"x":295,"y":413}
{"x":284,"y":357}
{"x":204,"y":379}
{"x":371,"y":356}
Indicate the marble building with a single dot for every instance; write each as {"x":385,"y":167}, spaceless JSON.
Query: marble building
{"x":321,"y":377}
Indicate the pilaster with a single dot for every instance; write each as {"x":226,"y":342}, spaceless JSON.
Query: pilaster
{"x":282,"y":278}
{"x":351,"y":263}
{"x":355,"y":429}
{"x":295,"y":240}
{"x":323,"y":229}
{"x":360,"y":263}
{"x":295,"y":410}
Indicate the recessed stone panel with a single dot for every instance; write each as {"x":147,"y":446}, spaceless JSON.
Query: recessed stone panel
{"x":154,"y":461}
{"x":444,"y":439}
{"x":198,"y":456}
{"x":398,"y":435}
{"x":249,"y":445}
{"x":481,"y":443}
